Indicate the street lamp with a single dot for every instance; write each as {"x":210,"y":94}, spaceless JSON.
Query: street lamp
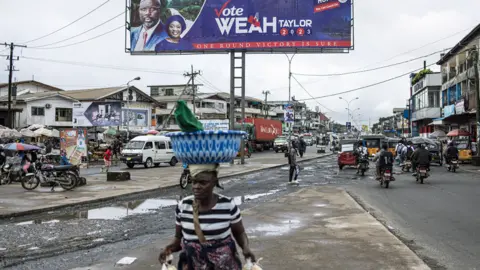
{"x":290,"y":93}
{"x":348,"y":105}
{"x":128,"y":106}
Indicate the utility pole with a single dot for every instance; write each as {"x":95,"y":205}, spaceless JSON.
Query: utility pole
{"x":265,"y":107}
{"x":192,"y":76}
{"x":11,"y":69}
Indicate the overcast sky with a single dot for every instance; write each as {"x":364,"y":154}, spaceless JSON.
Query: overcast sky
{"x":383,"y":29}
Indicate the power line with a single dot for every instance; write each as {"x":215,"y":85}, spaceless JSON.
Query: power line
{"x":49,"y":34}
{"x":204,"y":80}
{"x":310,"y":94}
{"x":104,"y":66}
{"x":93,"y":28}
{"x":80,"y":42}
{"x":367,"y":86}
{"x":372,"y":69}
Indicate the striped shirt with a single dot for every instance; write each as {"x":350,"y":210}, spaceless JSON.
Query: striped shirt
{"x":215,"y":224}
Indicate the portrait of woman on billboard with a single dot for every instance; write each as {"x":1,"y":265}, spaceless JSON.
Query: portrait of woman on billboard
{"x":175,"y":26}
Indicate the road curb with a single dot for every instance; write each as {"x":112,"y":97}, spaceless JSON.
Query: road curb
{"x":145,"y":192}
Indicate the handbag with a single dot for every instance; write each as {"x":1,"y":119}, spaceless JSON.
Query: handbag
{"x":196,"y":224}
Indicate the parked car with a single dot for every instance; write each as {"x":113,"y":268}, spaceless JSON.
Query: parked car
{"x":280,"y":144}
{"x":149,"y":151}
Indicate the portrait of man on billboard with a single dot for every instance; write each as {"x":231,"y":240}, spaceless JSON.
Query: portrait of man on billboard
{"x":152,"y":30}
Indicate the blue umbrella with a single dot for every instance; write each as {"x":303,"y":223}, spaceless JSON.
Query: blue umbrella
{"x":21,"y":147}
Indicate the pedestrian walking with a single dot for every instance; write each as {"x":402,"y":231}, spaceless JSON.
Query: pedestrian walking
{"x":107,"y":158}
{"x":292,"y":161}
{"x":302,"y":146}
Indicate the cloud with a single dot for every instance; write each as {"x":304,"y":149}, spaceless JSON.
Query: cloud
{"x":382,"y":29}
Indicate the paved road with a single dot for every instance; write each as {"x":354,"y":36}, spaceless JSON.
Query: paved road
{"x":109,"y":229}
{"x":440,"y":217}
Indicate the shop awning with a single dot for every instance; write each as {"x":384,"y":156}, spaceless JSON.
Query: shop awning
{"x":437,"y":122}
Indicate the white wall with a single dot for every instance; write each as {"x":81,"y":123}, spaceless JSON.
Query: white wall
{"x":27,"y":119}
{"x":24,"y":86}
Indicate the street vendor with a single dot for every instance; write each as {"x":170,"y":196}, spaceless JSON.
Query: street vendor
{"x":205,"y":242}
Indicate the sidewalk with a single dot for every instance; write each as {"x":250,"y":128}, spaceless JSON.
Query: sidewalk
{"x":15,"y":201}
{"x":314,"y":228}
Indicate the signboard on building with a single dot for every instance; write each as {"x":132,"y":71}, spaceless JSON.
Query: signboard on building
{"x":135,"y":118}
{"x":288,"y":114}
{"x":73,"y":144}
{"x":364,"y":128}
{"x":448,"y":110}
{"x":215,"y":124}
{"x":460,"y":107}
{"x":90,"y":114}
{"x":202,"y":26}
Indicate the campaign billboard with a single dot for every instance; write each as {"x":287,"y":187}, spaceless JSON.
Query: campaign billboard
{"x":212,"y":26}
{"x":96,"y":114}
{"x":215,"y":124}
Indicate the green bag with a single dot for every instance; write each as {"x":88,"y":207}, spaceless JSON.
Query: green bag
{"x":186,"y":120}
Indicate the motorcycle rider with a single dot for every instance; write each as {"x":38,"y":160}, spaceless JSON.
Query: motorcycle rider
{"x":451,"y":152}
{"x":399,"y":150}
{"x":359,"y":152}
{"x":421,"y":157}
{"x":383,"y":159}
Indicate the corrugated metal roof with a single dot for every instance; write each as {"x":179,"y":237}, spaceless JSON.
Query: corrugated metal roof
{"x":94,"y":94}
{"x":53,"y":88}
{"x":37,"y":96}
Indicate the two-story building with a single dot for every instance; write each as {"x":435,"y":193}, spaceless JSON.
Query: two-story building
{"x":460,"y":87}
{"x":425,"y":102}
{"x":17,"y":103}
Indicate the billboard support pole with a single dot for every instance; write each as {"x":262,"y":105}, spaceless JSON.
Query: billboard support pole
{"x":234,"y":85}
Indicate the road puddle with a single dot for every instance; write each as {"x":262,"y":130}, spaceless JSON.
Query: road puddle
{"x":239,"y":200}
{"x":274,"y":229}
{"x":116,"y":211}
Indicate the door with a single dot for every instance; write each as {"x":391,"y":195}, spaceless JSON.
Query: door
{"x":161,"y":152}
{"x":148,"y":151}
{"x":170,"y":152}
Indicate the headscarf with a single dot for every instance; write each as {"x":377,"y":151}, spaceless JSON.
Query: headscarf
{"x":195,"y":169}
{"x":177,"y":18}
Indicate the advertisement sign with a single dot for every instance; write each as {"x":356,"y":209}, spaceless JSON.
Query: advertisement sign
{"x":175,"y":26}
{"x":215,"y":124}
{"x":448,"y":110}
{"x":135,"y":118}
{"x":73,"y":144}
{"x":288,"y":114}
{"x":460,"y":107}
{"x":90,"y":114}
{"x":348,"y":125}
{"x":364,"y":128}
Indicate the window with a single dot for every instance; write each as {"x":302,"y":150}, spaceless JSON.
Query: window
{"x":63,"y":115}
{"x":169,"y":145}
{"x":154,"y":91}
{"x":169,"y":92}
{"x":148,"y":145}
{"x":160,"y":145}
{"x":38,"y":111}
{"x":221,"y":105}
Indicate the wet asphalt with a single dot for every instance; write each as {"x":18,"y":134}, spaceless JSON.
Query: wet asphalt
{"x":437,"y":220}
{"x":62,"y":239}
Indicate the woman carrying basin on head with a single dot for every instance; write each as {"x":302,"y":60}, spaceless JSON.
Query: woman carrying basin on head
{"x":207,"y":243}
{"x":175,"y":26}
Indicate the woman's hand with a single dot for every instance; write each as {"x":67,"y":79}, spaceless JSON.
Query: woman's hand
{"x":249,"y":254}
{"x":162,"y":258}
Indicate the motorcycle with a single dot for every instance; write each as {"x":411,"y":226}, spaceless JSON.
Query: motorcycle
{"x":185,"y":178}
{"x":386,"y":176}
{"x":406,"y":166}
{"x":453,"y":165}
{"x":5,"y":177}
{"x":52,"y":175}
{"x":363,"y":164}
{"x":422,"y":173}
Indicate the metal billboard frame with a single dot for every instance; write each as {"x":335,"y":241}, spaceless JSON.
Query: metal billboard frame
{"x":321,"y":50}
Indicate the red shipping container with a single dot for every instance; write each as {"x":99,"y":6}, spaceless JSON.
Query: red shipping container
{"x":266,"y":129}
